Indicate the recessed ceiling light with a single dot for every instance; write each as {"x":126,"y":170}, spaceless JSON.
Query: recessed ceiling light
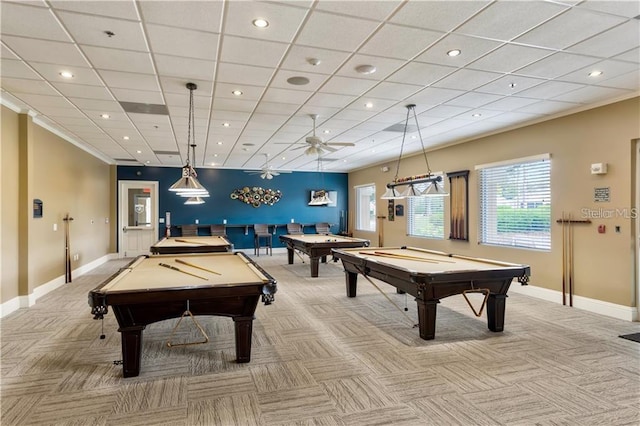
{"x":147,"y":162}
{"x":477,"y":114}
{"x":126,"y":138}
{"x":215,"y":155}
{"x":226,"y":124}
{"x":368,"y":105}
{"x":512,"y":85}
{"x":366,"y":69}
{"x":454,"y":52}
{"x":284,"y":158}
{"x":326,"y":131}
{"x":237,"y":92}
{"x":595,"y":73}
{"x":245,"y":149}
{"x":220,"y":142}
{"x":105,"y":116}
{"x":260,"y":23}
{"x":66,"y":74}
{"x":139,"y":152}
{"x":298,"y":81}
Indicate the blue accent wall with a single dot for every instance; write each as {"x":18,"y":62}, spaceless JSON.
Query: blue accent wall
{"x":296,"y":190}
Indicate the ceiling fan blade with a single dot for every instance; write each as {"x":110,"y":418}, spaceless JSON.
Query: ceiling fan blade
{"x":341,"y":143}
{"x":300,"y":147}
{"x":328,"y":148}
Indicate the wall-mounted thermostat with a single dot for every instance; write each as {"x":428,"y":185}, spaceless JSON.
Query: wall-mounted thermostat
{"x":599,"y":168}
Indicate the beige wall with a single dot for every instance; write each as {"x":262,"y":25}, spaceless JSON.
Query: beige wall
{"x":604,"y":263}
{"x":67,"y":180}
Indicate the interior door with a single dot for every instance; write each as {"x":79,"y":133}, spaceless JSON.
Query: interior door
{"x":138,"y":217}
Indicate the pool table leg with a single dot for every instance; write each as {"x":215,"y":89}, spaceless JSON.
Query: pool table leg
{"x":131,"y":338}
{"x":290,"y":255}
{"x":495,"y":311}
{"x":427,"y":318}
{"x":352,"y":283}
{"x":244,"y":329}
{"x":314,"y":266}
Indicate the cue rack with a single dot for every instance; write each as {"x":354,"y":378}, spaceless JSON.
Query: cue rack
{"x":567,"y":221}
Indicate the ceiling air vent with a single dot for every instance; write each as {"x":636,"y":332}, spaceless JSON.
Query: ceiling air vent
{"x":399,"y":128}
{"x":126,"y":160}
{"x":167,"y":153}
{"x":139,"y":108}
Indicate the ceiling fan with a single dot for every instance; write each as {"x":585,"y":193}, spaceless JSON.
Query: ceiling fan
{"x":316,"y":145}
{"x":267,"y":171}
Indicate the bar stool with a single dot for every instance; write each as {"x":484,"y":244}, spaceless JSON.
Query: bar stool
{"x":189,"y":230}
{"x":220,"y":230}
{"x":262,"y":231}
{"x":294,"y":228}
{"x":323,"y":228}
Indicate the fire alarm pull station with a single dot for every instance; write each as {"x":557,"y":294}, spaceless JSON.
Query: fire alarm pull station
{"x":601,"y":229}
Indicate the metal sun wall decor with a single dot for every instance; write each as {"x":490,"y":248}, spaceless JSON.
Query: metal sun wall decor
{"x":256,"y":196}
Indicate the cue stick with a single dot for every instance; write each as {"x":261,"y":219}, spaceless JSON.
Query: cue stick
{"x":181,"y":270}
{"x":67,"y":248}
{"x":564,"y":261}
{"x":189,"y":242}
{"x":198,"y":267}
{"x":387,"y":297}
{"x":570,"y":260}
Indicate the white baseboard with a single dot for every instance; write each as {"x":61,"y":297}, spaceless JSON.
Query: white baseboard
{"x":626,"y":313}
{"x":27,"y":301}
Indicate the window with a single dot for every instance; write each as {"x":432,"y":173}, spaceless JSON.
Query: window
{"x":515,"y":203}
{"x":366,"y":208}
{"x":426,"y":215}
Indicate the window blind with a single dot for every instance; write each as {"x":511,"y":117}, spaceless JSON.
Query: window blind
{"x":426,"y":215}
{"x":515,"y":204}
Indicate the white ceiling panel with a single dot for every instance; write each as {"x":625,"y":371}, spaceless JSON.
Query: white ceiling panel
{"x":519,"y":61}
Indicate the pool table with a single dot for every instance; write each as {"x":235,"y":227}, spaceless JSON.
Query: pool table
{"x":150,"y":289}
{"x":181,"y":245}
{"x":318,"y":246}
{"x":432,"y":275}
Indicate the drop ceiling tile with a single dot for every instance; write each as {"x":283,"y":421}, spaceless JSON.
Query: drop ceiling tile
{"x":347,"y":85}
{"x":466,"y":79}
{"x":509,"y":58}
{"x":17,"y":69}
{"x":91,"y":30}
{"x":52,"y":52}
{"x":632,"y":55}
{"x":81,"y":75}
{"x":569,"y":28}
{"x":21,"y":85}
{"x":420,"y":73}
{"x":472,"y":48}
{"x":612,"y":42}
{"x":5,"y":53}
{"x":243,"y":74}
{"x":591,"y":94}
{"x":330,"y":100}
{"x":228,"y":104}
{"x":140,"y":96}
{"x":549,"y":89}
{"x":609,"y":69}
{"x":225,"y":90}
{"x":628,"y":9}
{"x":377,"y":105}
{"x":474,"y":99}
{"x":127,"y":80}
{"x":181,"y":100}
{"x":376,"y":10}
{"x":287,"y":96}
{"x":509,"y":103}
{"x":284,"y":20}
{"x":83,"y":91}
{"x":200,"y":15}
{"x":178,"y":85}
{"x":103,"y":106}
{"x":119,"y":9}
{"x":33,"y":22}
{"x":509,"y":85}
{"x":261,"y":52}
{"x":189,"y":68}
{"x":629,"y":81}
{"x":392,"y":91}
{"x":556,"y":65}
{"x":514,"y":117}
{"x":62,"y":112}
{"x":433,"y":96}
{"x":394,"y":41}
{"x":506,"y":20}
{"x":444,"y":111}
{"x":232,"y":116}
{"x":440,"y":16}
{"x":119,"y":59}
{"x":335,"y":32}
{"x":41,"y":101}
{"x":276,"y":108}
{"x":548,"y":107}
{"x":182,"y":42}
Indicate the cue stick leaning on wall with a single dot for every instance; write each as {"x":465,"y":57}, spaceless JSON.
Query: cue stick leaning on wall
{"x":564,"y":260}
{"x":67,"y":249}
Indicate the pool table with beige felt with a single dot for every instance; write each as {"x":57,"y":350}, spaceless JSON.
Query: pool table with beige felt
{"x":318,"y":246}
{"x":200,"y":244}
{"x":145,"y":292}
{"x":432,"y":275}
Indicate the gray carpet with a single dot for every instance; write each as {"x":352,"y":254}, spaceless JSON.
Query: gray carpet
{"x":320,"y":358}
